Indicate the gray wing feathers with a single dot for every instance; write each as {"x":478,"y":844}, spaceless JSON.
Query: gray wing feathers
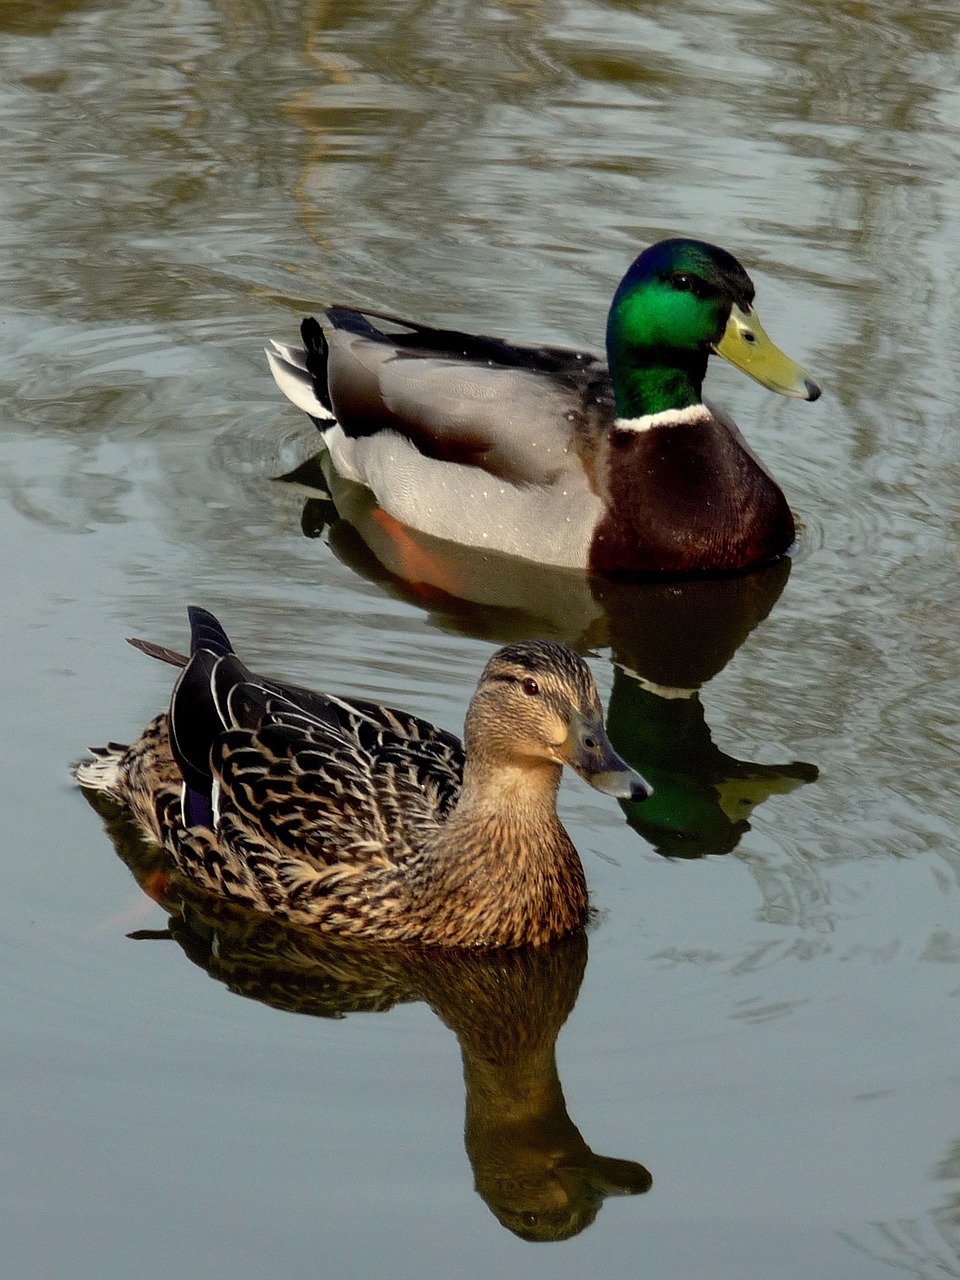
{"x":516,"y":424}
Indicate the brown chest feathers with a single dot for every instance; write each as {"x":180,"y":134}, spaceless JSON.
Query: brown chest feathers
{"x":685,"y":499}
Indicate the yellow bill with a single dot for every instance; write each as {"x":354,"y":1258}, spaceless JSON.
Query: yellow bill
{"x":746,"y":345}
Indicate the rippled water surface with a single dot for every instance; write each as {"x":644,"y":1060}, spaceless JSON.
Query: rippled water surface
{"x":767,"y":1032}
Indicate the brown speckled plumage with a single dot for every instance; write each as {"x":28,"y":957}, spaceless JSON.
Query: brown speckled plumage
{"x":366,"y":821}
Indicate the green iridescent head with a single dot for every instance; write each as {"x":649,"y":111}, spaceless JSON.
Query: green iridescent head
{"x":681,"y":301}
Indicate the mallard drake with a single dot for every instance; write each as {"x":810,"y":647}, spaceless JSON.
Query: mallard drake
{"x":549,"y":453}
{"x":364,"y":820}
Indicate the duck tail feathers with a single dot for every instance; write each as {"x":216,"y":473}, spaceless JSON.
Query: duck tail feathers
{"x":301,"y":372}
{"x":205,"y":633}
{"x":102,"y":773}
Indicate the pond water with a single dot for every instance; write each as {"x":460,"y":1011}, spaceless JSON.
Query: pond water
{"x":754,"y":1072}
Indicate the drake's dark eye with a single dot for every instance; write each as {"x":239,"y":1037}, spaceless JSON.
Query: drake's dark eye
{"x":530,"y":686}
{"x":682,"y":281}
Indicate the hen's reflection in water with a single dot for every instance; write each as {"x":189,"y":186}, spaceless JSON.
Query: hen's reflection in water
{"x":666,"y":638}
{"x":530,"y":1163}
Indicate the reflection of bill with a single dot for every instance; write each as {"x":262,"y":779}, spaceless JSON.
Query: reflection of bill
{"x":530,"y":1162}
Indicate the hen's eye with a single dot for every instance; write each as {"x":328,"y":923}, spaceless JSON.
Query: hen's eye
{"x":530,"y":686}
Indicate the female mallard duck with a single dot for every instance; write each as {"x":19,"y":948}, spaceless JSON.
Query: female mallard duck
{"x":366,"y":821}
{"x":548,"y":453}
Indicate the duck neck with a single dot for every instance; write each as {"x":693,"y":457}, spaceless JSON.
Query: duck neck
{"x":648,"y":380}
{"x":503,"y":862}
{"x":516,"y":805}
{"x":524,"y":787}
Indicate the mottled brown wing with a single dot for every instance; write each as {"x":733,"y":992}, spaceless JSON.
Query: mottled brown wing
{"x":320,"y":795}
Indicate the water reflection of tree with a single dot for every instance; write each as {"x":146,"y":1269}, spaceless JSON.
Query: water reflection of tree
{"x":38,"y":17}
{"x":926,"y":1247}
{"x":531,"y":1164}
